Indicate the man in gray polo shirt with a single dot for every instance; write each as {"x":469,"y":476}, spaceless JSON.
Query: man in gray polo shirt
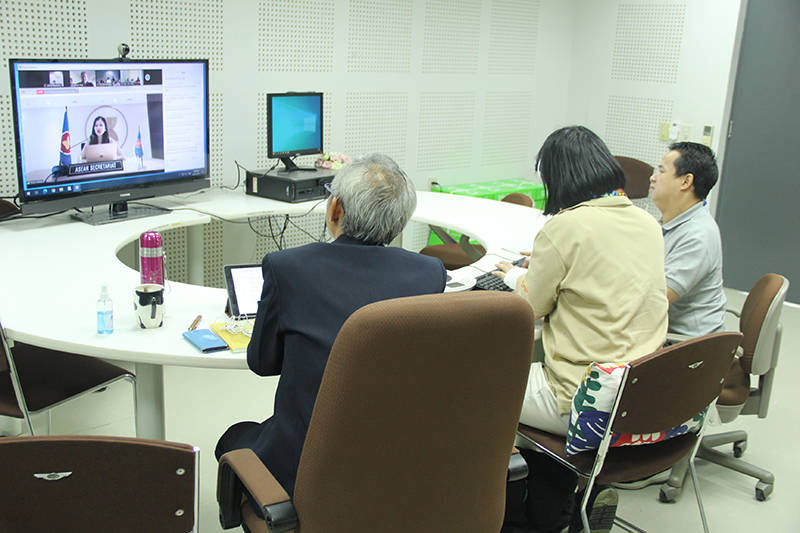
{"x":692,"y":244}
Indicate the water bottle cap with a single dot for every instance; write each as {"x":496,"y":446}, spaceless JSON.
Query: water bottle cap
{"x":150,"y":239}
{"x":104,"y":289}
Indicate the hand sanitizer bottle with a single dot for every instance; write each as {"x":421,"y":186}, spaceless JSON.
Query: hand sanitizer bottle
{"x":105,"y":312}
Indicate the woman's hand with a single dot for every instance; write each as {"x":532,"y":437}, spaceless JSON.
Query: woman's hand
{"x":527,"y":262}
{"x":502,"y":268}
{"x":510,"y":274}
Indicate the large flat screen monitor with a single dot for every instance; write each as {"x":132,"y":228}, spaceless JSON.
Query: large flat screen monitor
{"x":93,"y":132}
{"x":294,"y":127}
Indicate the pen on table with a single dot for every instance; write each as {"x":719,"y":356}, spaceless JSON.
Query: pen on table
{"x":196,"y":321}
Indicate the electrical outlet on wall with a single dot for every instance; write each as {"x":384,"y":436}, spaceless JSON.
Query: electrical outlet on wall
{"x":433,"y":184}
{"x":674,"y":131}
{"x":663,"y":131}
{"x":686,"y":132}
{"x":708,"y":134}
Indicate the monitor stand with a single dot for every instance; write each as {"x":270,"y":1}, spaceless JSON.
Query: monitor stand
{"x":292,"y":167}
{"x":118,"y":212}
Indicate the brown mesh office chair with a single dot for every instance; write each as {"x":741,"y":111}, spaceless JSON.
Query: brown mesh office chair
{"x":637,"y":184}
{"x":455,"y":255}
{"x":413,"y":425}
{"x":759,"y":321}
{"x":34,"y":380}
{"x":90,"y":483}
{"x":658,"y":392}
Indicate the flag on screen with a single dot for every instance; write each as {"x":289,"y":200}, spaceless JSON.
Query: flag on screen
{"x":137,"y":148}
{"x":66,"y":158}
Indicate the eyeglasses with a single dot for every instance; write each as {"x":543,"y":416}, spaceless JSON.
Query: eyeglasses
{"x":329,"y":193}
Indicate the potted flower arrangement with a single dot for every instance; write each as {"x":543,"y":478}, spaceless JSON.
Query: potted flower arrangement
{"x":332,"y":160}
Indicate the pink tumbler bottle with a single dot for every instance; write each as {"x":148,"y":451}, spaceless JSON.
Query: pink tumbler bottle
{"x":151,"y":257}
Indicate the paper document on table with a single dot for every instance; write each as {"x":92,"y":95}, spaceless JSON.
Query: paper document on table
{"x":519,"y":247}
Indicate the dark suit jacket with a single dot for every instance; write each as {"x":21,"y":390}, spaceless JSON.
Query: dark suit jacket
{"x":308,"y":294}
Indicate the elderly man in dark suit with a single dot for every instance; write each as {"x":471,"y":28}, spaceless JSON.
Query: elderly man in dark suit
{"x":311,"y":290}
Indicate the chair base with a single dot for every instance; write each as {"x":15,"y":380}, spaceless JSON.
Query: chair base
{"x":766,"y":480}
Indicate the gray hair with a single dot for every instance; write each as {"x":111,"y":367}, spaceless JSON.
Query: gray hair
{"x":377,"y":197}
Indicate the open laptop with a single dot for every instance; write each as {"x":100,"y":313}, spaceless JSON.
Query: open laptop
{"x":244,"y":284}
{"x":100,"y":152}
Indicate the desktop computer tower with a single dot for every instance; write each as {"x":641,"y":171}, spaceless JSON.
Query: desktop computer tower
{"x":297,"y":186}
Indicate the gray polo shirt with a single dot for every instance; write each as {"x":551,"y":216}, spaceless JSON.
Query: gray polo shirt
{"x":693,"y":265}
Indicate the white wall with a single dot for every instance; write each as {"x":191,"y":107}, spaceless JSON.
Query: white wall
{"x":459,"y":90}
{"x":683,"y":53}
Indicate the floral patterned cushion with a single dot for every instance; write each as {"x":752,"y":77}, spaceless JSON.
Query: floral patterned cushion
{"x":591,"y":409}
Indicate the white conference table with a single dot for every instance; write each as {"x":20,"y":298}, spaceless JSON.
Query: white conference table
{"x":50,"y":280}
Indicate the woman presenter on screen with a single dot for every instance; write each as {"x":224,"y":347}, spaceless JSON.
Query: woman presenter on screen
{"x":99,"y":136}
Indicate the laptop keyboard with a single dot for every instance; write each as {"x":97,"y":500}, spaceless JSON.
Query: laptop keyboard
{"x":490,"y":282}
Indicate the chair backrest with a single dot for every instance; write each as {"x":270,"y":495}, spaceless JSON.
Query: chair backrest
{"x":760,"y":322}
{"x":519,"y":199}
{"x":89,"y":483}
{"x":637,"y":176}
{"x":416,"y":416}
{"x":671,"y":385}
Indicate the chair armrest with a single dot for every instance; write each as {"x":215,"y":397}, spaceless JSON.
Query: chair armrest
{"x":517,"y":467}
{"x":442,"y":234}
{"x":242,"y":469}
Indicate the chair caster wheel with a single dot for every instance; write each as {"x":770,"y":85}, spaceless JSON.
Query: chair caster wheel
{"x":763,"y":490}
{"x":668,"y":493}
{"x":739,"y":448}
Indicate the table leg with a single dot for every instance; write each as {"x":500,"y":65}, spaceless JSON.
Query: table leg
{"x":150,"y":401}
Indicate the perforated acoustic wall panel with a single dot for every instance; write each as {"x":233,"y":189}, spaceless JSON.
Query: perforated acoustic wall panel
{"x":212,"y":255}
{"x":415,"y":236}
{"x":175,"y":252}
{"x":8,"y":159}
{"x":261,"y":130}
{"x":215,"y":128}
{"x":45,"y":28}
{"x":445,"y":130}
{"x":632,"y":127}
{"x":297,"y":231}
{"x":178,"y":29}
{"x":377,"y":122}
{"x":379,"y":39}
{"x":506,"y":127}
{"x":451,"y":43}
{"x":513,"y":37}
{"x":648,"y":42}
{"x":296,"y":35}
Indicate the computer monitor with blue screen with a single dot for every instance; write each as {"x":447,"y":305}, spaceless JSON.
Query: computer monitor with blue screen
{"x":294,"y":127}
{"x":92,"y":132}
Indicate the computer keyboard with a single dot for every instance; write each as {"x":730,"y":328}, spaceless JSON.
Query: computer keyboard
{"x":490,"y":282}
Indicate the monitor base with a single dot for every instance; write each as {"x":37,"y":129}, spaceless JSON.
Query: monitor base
{"x":118,"y":213}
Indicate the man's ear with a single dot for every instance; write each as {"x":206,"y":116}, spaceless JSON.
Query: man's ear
{"x":688,"y":182}
{"x":336,"y":209}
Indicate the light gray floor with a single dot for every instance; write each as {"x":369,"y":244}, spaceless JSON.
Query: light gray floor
{"x":202,"y":403}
